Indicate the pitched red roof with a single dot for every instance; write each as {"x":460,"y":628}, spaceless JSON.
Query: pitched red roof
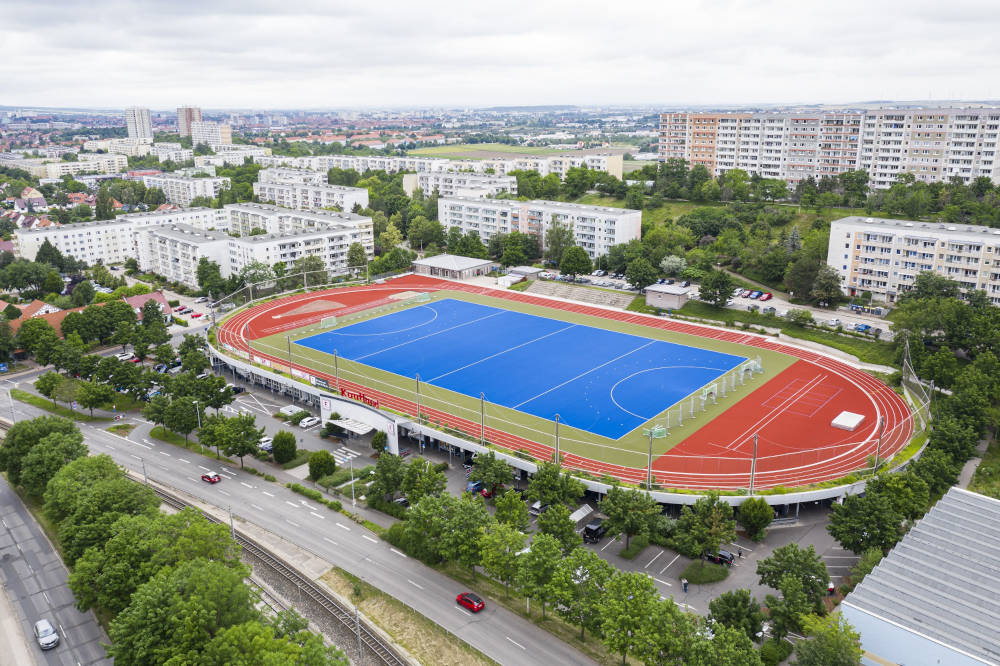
{"x":136,"y":302}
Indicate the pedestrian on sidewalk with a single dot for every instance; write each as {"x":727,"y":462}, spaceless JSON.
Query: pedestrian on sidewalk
{"x":684,"y":582}
{"x":739,"y":551}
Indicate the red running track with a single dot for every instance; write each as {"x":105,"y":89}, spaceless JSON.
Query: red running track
{"x":790,"y":413}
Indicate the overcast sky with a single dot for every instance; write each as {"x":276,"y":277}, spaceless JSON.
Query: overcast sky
{"x":323,"y":54}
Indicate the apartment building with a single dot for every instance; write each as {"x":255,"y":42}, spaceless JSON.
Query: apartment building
{"x":231,"y":155}
{"x":884,"y":256}
{"x":137,"y":122}
{"x":111,"y":241}
{"x":451,"y":184}
{"x":306,"y":196}
{"x":932,"y":144}
{"x":210,"y":133}
{"x":174,"y":251}
{"x":289,"y":175}
{"x":595,"y":228}
{"x":181,"y":190}
{"x":185,"y":116}
{"x":45,"y":168}
{"x":172,"y":152}
{"x":127,"y":147}
{"x":330,"y":243}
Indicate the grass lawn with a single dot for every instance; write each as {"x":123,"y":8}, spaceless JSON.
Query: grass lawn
{"x":670,"y":210}
{"x":46,"y":404}
{"x":122,"y":429}
{"x":164,"y":435}
{"x":426,"y":640}
{"x":630,"y":449}
{"x":633,"y":165}
{"x":301,"y":458}
{"x":462,"y":151}
{"x":703,"y":573}
{"x":986,"y":480}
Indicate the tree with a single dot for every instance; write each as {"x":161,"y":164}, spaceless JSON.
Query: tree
{"x":673,"y":265}
{"x":755,"y":514}
{"x":425,"y":526}
{"x":23,"y":436}
{"x":826,"y":286}
{"x":577,"y":586}
{"x":93,"y":394}
{"x":312,"y":267}
{"x":356,"y":255}
{"x":511,"y":510}
{"x":256,"y":273}
{"x":716,"y":288}
{"x":183,"y":416}
{"x":73,"y":481}
{"x":575,"y":261}
{"x":499,"y":546}
{"x":492,"y":471}
{"x":47,"y":385}
{"x":629,"y":512}
{"x":706,"y":525}
{"x":421,"y":479}
{"x":6,"y":340}
{"x":390,"y":238}
{"x":550,"y":486}
{"x":627,"y":609}
{"x":321,"y":463}
{"x":241,"y":435}
{"x":863,"y":522}
{"x":50,"y":454}
{"x":787,"y":610}
{"x":209,"y":277}
{"x":156,"y":409}
{"x":832,"y":642}
{"x":737,"y":609}
{"x":634,"y":198}
{"x":907,"y":492}
{"x":537,"y":567}
{"x":380,"y":441}
{"x":558,"y":237}
{"x":866,"y":563}
{"x":283,"y":447}
{"x":799,"y":317}
{"x":388,"y":477}
{"x":173,"y":616}
{"x":464,"y":525}
{"x":557,"y":523}
{"x":38,"y":337}
{"x":803,"y":564}
{"x":83,"y":293}
{"x":640,"y":274}
{"x":104,"y":209}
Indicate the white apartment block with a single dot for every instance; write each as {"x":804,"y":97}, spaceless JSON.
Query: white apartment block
{"x":127,"y":147}
{"x":330,"y":243}
{"x":884,"y":256}
{"x":86,"y":164}
{"x":595,"y":228}
{"x":174,"y":252}
{"x":137,"y":122}
{"x":181,"y":190}
{"x":244,"y":218}
{"x":304,"y":196}
{"x":111,"y":241}
{"x":172,"y":152}
{"x":452,"y":184}
{"x":231,"y":155}
{"x":289,"y":175}
{"x":210,"y":133}
{"x":932,"y":144}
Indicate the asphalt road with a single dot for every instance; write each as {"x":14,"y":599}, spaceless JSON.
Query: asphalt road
{"x":35,"y":580}
{"x":502,"y":635}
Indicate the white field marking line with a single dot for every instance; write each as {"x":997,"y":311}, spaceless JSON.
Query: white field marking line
{"x":662,"y":581}
{"x":611,"y":392}
{"x":328,"y":540}
{"x":397,"y":552}
{"x":654,"y":559}
{"x":267,"y":493}
{"x":430,"y":335}
{"x":777,"y":411}
{"x":416,"y":585}
{"x":291,"y":523}
{"x":255,"y":507}
{"x":372,"y":539}
{"x":583,"y":374}
{"x":739,"y":546}
{"x":372,"y":335}
{"x":668,"y":566}
{"x":515,"y":642}
{"x":313,"y":513}
{"x":609,"y":543}
{"x":343,"y":527}
{"x":499,"y":353}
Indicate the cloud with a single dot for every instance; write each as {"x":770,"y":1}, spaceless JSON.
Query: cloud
{"x":321,"y":54}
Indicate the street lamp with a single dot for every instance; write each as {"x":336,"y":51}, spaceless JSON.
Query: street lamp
{"x":353,"y":501}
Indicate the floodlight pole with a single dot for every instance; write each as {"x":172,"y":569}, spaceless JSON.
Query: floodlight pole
{"x":878,"y":447}
{"x":418,"y":397}
{"x":557,"y":440}
{"x":482,"y":419}
{"x":353,"y":501}
{"x":649,"y":463}
{"x":336,"y":370}
{"x":753,"y":464}
{"x":288,"y":339}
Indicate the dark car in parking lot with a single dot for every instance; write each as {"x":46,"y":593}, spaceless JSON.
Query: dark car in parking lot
{"x":721,"y":557}
{"x":594,"y":531}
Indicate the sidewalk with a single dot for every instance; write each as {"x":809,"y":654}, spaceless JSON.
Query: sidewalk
{"x":17,"y":649}
{"x":969,"y":469}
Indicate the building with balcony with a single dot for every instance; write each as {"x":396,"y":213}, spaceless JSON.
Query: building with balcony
{"x":174,"y":251}
{"x":452,"y":184}
{"x":137,"y":122}
{"x":305,"y":196}
{"x":883,"y":257}
{"x":181,"y":190}
{"x":185,"y":116}
{"x":210,"y":133}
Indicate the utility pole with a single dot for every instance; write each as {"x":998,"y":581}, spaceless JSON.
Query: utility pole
{"x":288,"y":339}
{"x":336,"y":371}
{"x":482,"y":419}
{"x":197,"y":411}
{"x":357,"y":629}
{"x":649,"y":463}
{"x":418,"y":398}
{"x":878,"y":447}
{"x":353,"y":501}
{"x":145,"y":479}
{"x":10,"y":396}
{"x":232,"y":530}
{"x":753,"y":464}
{"x":557,"y":440}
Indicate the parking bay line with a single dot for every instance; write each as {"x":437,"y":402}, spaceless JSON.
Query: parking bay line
{"x":609,"y":543}
{"x":668,"y":566}
{"x":267,"y":493}
{"x":397,"y":552}
{"x":292,"y":504}
{"x":654,"y":559}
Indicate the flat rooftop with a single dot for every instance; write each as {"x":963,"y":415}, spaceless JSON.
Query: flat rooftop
{"x":452,"y":262}
{"x":916,"y":228}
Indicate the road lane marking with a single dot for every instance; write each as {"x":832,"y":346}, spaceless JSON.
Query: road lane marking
{"x":205,"y":468}
{"x":164,"y":453}
{"x":257,"y":508}
{"x":462,"y":610}
{"x":244,"y":483}
{"x":313,"y":513}
{"x":668,"y":566}
{"x":292,"y":504}
{"x":343,"y":527}
{"x":397,"y":552}
{"x":135,"y":456}
{"x":330,"y":541}
{"x":267,"y":493}
{"x":514,"y":642}
{"x":654,"y":559}
{"x":419,"y":587}
{"x":372,"y":539}
{"x":224,"y":493}
{"x":191,"y":478}
{"x":47,"y":600}
{"x":291,"y":523}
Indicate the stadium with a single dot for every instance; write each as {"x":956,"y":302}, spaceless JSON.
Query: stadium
{"x":621,"y":395}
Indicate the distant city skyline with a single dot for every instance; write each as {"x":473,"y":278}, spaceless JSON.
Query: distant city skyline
{"x":452,"y":54}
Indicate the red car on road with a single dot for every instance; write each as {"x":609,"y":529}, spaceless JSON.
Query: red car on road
{"x":211,"y":477}
{"x":195,"y":315}
{"x":470,"y":601}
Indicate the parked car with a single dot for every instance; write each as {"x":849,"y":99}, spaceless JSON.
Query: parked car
{"x":488,"y":493}
{"x":721,"y":557}
{"x":195,"y":315}
{"x":203,"y":375}
{"x":834,"y":322}
{"x":746,"y":292}
{"x":756,"y":294}
{"x":125,"y":356}
{"x":766,"y":296}
{"x":182,"y":310}
{"x":470,"y":601}
{"x":236,"y":389}
{"x":863,"y":328}
{"x":133,"y":360}
{"x":670,"y":280}
{"x":265,"y":444}
{"x":401,"y":501}
{"x":473,"y":486}
{"x":594,"y":531}
{"x":538,"y":508}
{"x":308,"y":422}
{"x":201,"y":299}
{"x":211,"y":477}
{"x":686,"y":283}
{"x":45,"y":634}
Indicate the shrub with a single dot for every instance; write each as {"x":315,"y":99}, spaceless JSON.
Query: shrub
{"x":636,"y":546}
{"x":702,"y":573}
{"x":174,"y":303}
{"x":321,"y":463}
{"x":379,"y":441}
{"x":378,"y":503}
{"x":773,"y":652}
{"x":179,"y":321}
{"x":283,"y":447}
{"x":298,"y":416}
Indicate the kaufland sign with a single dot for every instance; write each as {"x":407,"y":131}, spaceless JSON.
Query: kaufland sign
{"x":360,"y":397}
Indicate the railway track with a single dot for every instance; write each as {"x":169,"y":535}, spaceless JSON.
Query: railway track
{"x":374,"y":645}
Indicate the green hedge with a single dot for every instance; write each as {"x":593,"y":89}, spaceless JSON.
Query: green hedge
{"x":391,"y":508}
{"x":314,"y":495}
{"x":702,"y":573}
{"x":773,"y":653}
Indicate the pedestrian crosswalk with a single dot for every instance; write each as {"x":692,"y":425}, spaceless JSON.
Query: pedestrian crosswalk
{"x":343,"y":455}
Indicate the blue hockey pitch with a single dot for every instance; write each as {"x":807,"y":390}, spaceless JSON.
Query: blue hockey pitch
{"x":604,"y":382}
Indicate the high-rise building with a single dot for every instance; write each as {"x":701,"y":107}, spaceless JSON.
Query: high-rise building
{"x":185,"y":116}
{"x":137,"y":121}
{"x":210,"y":134}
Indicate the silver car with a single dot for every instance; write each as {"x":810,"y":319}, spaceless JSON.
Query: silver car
{"x":46,"y":635}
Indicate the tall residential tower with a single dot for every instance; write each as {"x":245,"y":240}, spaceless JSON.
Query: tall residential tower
{"x":137,"y":121}
{"x":185,"y":116}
